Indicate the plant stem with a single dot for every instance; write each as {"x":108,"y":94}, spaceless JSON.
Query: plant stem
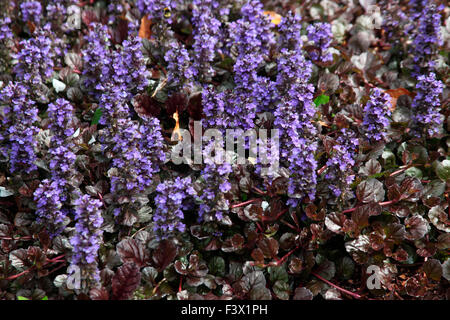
{"x":354,"y":295}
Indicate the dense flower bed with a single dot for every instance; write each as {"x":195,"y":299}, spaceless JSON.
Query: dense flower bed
{"x":95,"y":95}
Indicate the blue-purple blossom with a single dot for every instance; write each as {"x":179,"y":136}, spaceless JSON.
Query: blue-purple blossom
{"x":427,"y":40}
{"x":138,"y":154}
{"x":376,"y":115}
{"x":18,"y":127}
{"x":97,"y":58}
{"x":206,"y":37}
{"x":87,"y":238}
{"x":31,"y":11}
{"x":179,"y":70}
{"x":170,"y":201}
{"x":49,"y":207}
{"x":158,"y":9}
{"x":426,"y":106}
{"x":252,"y":38}
{"x":36,"y":58}
{"x":295,"y":111}
{"x":339,"y":172}
{"x":320,"y":33}
{"x":215,"y":176}
{"x":5,"y":30}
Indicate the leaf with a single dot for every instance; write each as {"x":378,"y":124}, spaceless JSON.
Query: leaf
{"x":5,"y":192}
{"x":73,"y":61}
{"x":96,"y":117}
{"x":303,"y":294}
{"x":131,"y":250}
{"x":145,"y":30}
{"x":22,"y":298}
{"x":125,"y":281}
{"x":322,"y":99}
{"x":416,"y":227}
{"x":370,"y":190}
{"x":326,"y":269}
{"x":164,"y":254}
{"x":371,"y":167}
{"x":269,"y":247}
{"x":217,"y":266}
{"x":58,"y":85}
{"x":443,"y":170}
{"x":396,"y":93}
{"x":345,"y":267}
{"x":439,"y":218}
{"x":18,"y":258}
{"x":281,"y":290}
{"x":274,"y":17}
{"x":433,"y":269}
{"x":335,"y":221}
{"x":446,"y":269}
{"x":99,"y":294}
{"x":278,"y":274}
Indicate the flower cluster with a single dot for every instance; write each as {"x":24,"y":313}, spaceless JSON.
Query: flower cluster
{"x":206,"y":37}
{"x":426,"y":106}
{"x":427,"y":39}
{"x":5,"y":30}
{"x":216,"y":183}
{"x":376,"y":115}
{"x":138,"y":153}
{"x":320,"y":33}
{"x":18,"y":127}
{"x":31,"y":11}
{"x":294,"y":112}
{"x":170,"y":202}
{"x":62,"y":160}
{"x":97,"y":58}
{"x":87,"y":238}
{"x":179,"y":64}
{"x":52,"y":195}
{"x":49,"y":207}
{"x":36,"y":58}
{"x":158,"y":9}
{"x":251,"y":37}
{"x":339,"y":172}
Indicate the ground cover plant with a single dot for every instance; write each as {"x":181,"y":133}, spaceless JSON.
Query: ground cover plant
{"x":95,"y":96}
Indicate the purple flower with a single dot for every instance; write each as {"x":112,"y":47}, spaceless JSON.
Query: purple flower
{"x":252,"y":38}
{"x":206,"y":38}
{"x":426,"y":106}
{"x":36,"y":58}
{"x":376,"y":115}
{"x":170,"y":200}
{"x":31,"y":11}
{"x":294,"y":112}
{"x":427,"y":39}
{"x":87,"y":238}
{"x":320,"y":33}
{"x":18,"y":129}
{"x":339,"y":173}
{"x":5,"y":30}
{"x":49,"y":207}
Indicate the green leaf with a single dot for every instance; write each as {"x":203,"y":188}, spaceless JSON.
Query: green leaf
{"x":97,"y":116}
{"x":45,"y":298}
{"x":22,"y":298}
{"x":322,"y":99}
{"x":277,"y":274}
{"x":217,"y":266}
{"x":443,"y":170}
{"x":281,"y":289}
